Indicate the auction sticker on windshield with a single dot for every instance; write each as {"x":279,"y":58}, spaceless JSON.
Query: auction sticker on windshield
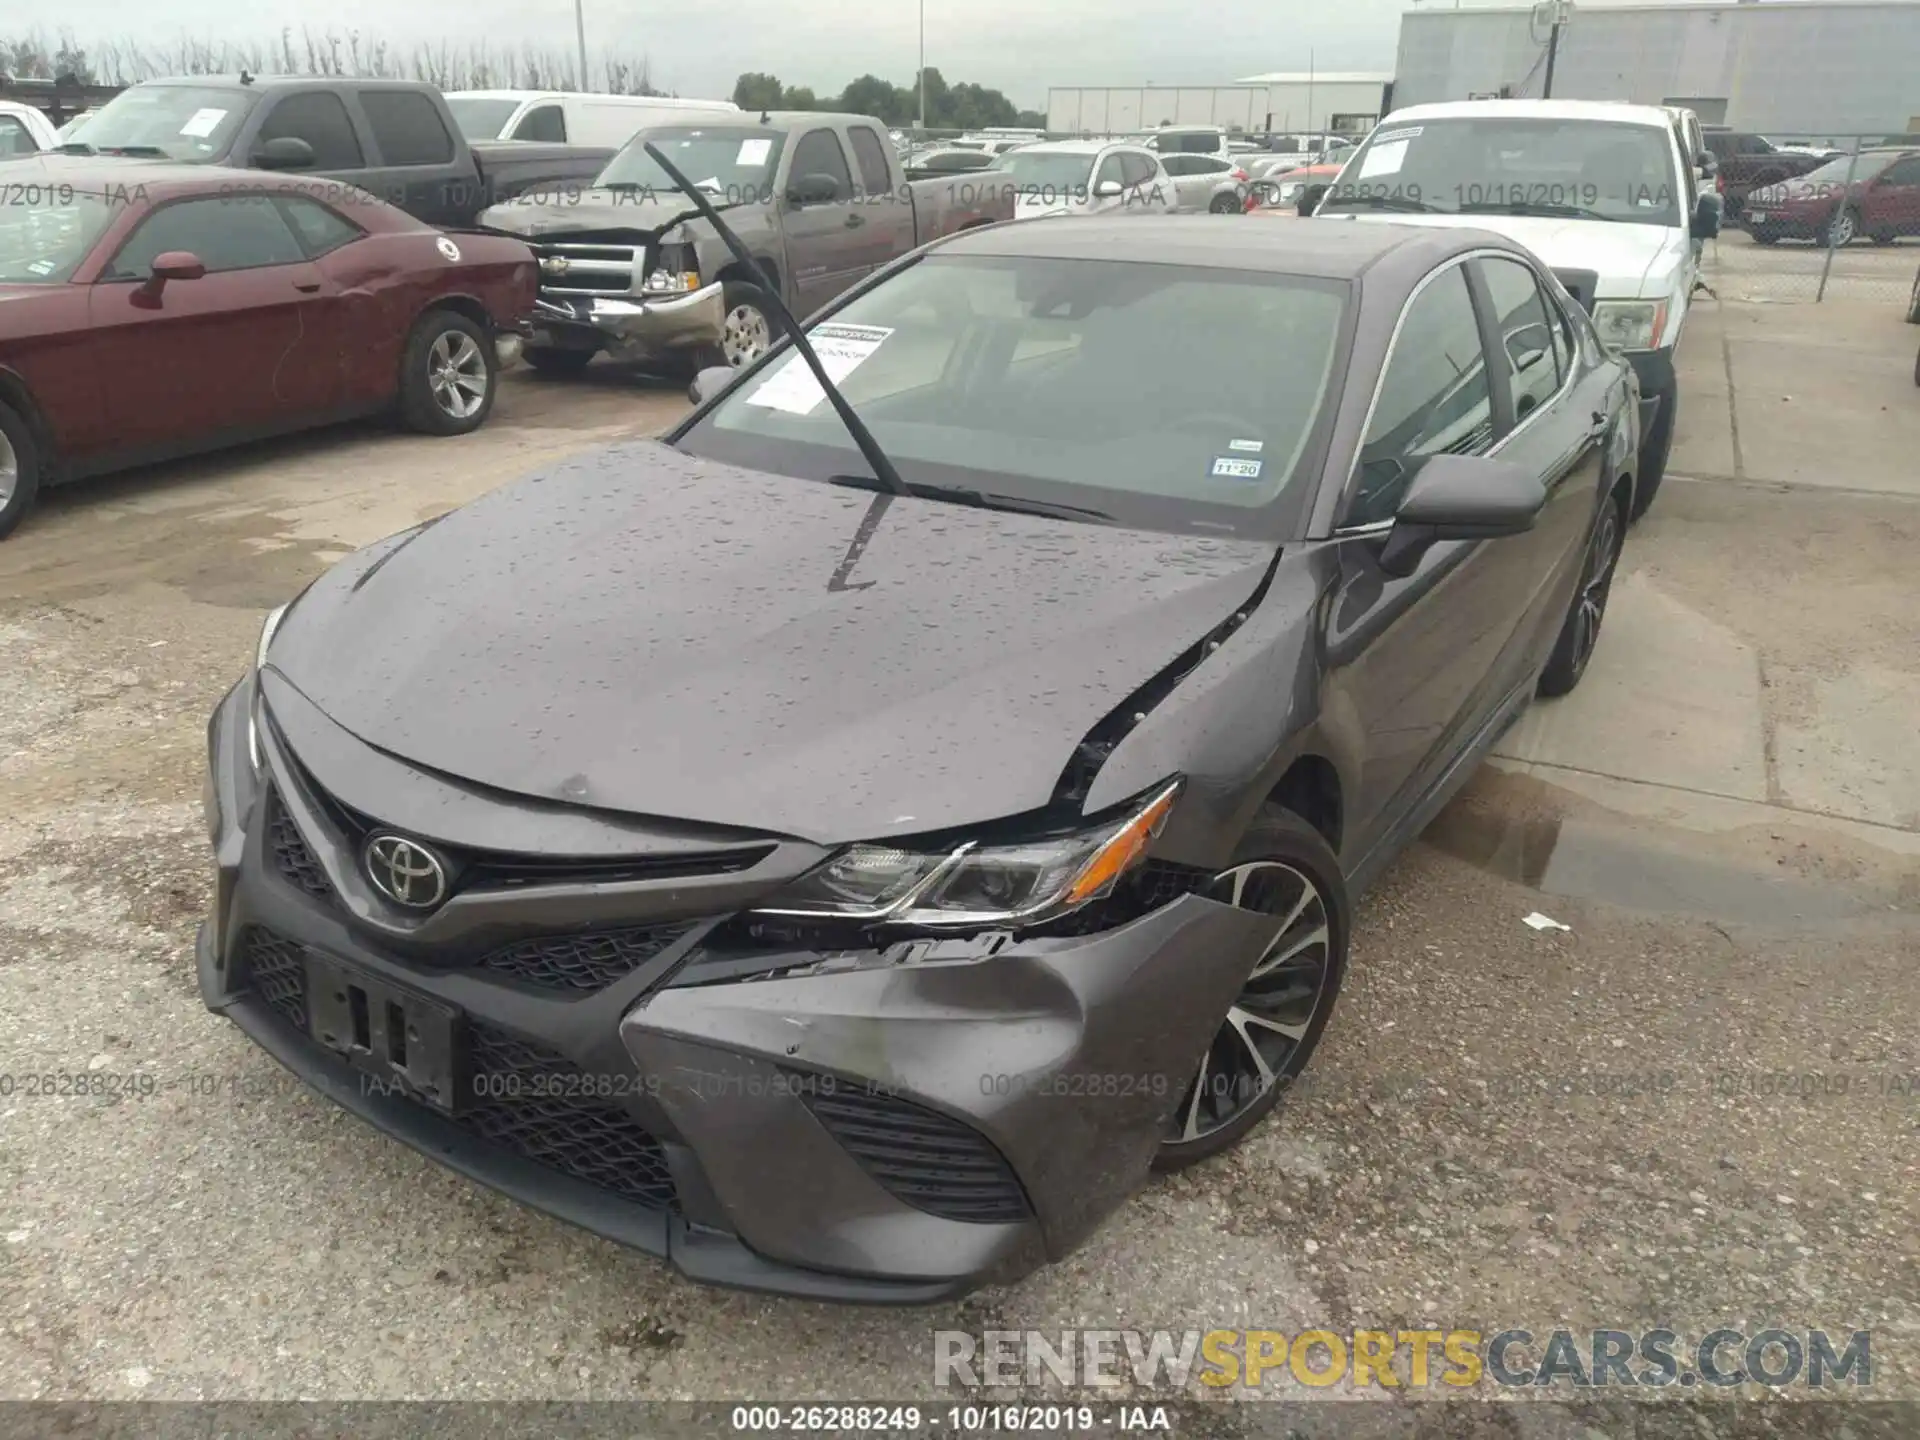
{"x":754,"y":152}
{"x":841,"y":348}
{"x":1384,"y":159}
{"x":203,"y":122}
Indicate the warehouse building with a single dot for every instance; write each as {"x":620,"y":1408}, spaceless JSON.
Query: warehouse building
{"x":1341,"y":101}
{"x":1783,"y":67}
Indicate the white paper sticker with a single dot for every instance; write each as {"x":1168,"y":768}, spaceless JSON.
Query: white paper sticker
{"x":203,"y":122}
{"x":42,"y":267}
{"x":841,"y":349}
{"x":1399,"y":132}
{"x":1383,"y":159}
{"x":1237,"y":469}
{"x":1253,"y":446}
{"x":753,"y":152}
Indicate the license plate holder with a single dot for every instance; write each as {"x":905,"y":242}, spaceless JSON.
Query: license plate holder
{"x":402,"y":1041}
{"x":1758,"y":217}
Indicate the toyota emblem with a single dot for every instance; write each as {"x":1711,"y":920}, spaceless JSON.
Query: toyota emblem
{"x":405,"y":871}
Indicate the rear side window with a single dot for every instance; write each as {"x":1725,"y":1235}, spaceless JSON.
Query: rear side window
{"x":318,"y":228}
{"x":407,"y":128}
{"x":14,"y":139}
{"x":819,"y":153}
{"x":317,"y":117}
{"x":543,"y":122}
{"x":872,"y":158}
{"x":1434,"y":398}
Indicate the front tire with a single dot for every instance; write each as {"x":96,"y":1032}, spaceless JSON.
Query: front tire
{"x":1282,"y":867}
{"x":1654,"y":449}
{"x":20,"y":468}
{"x":1226,"y":205}
{"x":449,"y":376}
{"x":747,"y":326}
{"x":1845,"y":228}
{"x":1580,"y":631}
{"x":1764,"y":235}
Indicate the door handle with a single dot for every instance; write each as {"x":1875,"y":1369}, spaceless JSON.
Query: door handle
{"x":854,"y":222}
{"x":306,"y":289}
{"x":1599,"y":427}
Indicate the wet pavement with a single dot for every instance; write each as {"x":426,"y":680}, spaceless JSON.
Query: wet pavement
{"x":1696,"y":1105}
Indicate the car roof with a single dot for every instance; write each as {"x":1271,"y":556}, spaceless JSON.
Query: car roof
{"x":112,"y":174}
{"x":277,"y":82}
{"x":1078,"y":147}
{"x":1321,"y":249}
{"x":1612,"y":110}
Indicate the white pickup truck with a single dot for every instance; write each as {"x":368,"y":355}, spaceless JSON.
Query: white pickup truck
{"x":23,"y":130}
{"x":1601,"y":192}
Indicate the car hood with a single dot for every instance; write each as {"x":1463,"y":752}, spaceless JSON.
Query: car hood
{"x":651,"y":633}
{"x":1630,"y":260}
{"x":557,"y":212}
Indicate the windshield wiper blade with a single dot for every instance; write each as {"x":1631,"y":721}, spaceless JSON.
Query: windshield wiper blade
{"x":1530,"y":207}
{"x":74,"y":147}
{"x":863,"y":437}
{"x":1378,"y":202}
{"x":981,"y":499}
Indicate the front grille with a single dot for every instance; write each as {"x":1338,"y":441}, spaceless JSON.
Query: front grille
{"x":582,"y":962}
{"x":278,"y":970}
{"x":526,"y":1098}
{"x":931,"y":1161}
{"x":591,"y":269}
{"x":291,"y":856}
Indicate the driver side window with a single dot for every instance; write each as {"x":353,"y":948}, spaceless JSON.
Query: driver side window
{"x":819,"y":153}
{"x":1109,"y":170}
{"x":1434,"y":398}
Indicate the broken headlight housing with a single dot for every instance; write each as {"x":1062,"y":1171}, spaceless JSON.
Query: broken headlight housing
{"x":672,"y":270}
{"x":974,"y":885}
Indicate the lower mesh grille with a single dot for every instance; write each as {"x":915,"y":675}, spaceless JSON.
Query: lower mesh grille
{"x":291,"y":856}
{"x":527,"y":1099}
{"x":931,"y":1161}
{"x":582,"y":962}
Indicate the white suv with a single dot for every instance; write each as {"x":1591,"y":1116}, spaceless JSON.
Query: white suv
{"x":1600,"y":191}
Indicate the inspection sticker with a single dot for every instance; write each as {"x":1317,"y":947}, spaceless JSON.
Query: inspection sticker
{"x":1237,"y":469}
{"x":1384,"y":159}
{"x":841,"y":348}
{"x":1405,"y":132}
{"x":1253,"y":446}
{"x":753,"y":152}
{"x":203,"y":122}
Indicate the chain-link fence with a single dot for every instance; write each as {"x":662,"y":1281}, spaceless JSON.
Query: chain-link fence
{"x":1816,"y":217}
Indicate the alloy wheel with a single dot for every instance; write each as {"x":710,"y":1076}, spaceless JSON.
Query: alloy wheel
{"x":744,"y":335}
{"x":1275,"y":1010}
{"x":9,"y":470}
{"x":457,"y":374}
{"x":1595,"y":586}
{"x":1843,"y":228}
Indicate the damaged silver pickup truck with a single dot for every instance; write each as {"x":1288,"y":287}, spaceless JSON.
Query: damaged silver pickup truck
{"x":628,"y":266}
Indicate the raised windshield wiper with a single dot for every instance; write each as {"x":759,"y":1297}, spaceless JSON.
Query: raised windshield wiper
{"x":1377,"y":202}
{"x":980,"y":499}
{"x":863,"y":437}
{"x":1533,"y":207}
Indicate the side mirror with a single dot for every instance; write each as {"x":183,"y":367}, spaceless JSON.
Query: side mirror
{"x":1709,"y":166}
{"x":1460,"y":497}
{"x":1311,"y":196}
{"x":1106,"y":190}
{"x":710,"y":382}
{"x":813,"y":190}
{"x":168,"y":265}
{"x":1706,"y":217}
{"x":283,"y":152}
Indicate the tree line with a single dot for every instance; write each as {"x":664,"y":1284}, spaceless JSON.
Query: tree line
{"x":964,"y":106}
{"x":476,"y":65}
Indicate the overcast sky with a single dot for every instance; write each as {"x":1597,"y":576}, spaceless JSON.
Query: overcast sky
{"x":1017,"y":46}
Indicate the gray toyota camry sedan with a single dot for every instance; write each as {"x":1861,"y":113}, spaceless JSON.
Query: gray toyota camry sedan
{"x":844,"y":846}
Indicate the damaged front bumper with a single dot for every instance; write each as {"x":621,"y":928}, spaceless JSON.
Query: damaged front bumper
{"x":869,"y":1126}
{"x":629,"y":328}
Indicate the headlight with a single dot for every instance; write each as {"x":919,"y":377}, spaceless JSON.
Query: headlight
{"x":972,"y":885}
{"x":274,"y":616}
{"x":674,"y":271}
{"x":1630,"y":324}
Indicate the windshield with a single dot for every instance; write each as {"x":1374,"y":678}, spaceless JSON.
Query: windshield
{"x":1595,"y":169}
{"x":730,"y":162}
{"x":181,"y":122}
{"x":1165,"y":396}
{"x":1052,"y":172}
{"x":481,"y":119}
{"x":47,"y":230}
{"x":1835,"y":172}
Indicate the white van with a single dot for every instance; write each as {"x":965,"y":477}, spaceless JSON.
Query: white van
{"x":1601,"y":191}
{"x":578,"y":119}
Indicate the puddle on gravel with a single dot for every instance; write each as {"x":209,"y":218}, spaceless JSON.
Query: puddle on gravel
{"x":1641,"y":867}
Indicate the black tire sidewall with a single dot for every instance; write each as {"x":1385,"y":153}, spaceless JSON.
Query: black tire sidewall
{"x":417,"y":405}
{"x":1559,"y":677}
{"x":1279,"y":834}
{"x":26,"y":454}
{"x":1222,"y":205}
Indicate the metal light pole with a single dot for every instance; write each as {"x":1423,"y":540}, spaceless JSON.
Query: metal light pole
{"x":1559,"y":9}
{"x":580,"y":28}
{"x":920,"y":84}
